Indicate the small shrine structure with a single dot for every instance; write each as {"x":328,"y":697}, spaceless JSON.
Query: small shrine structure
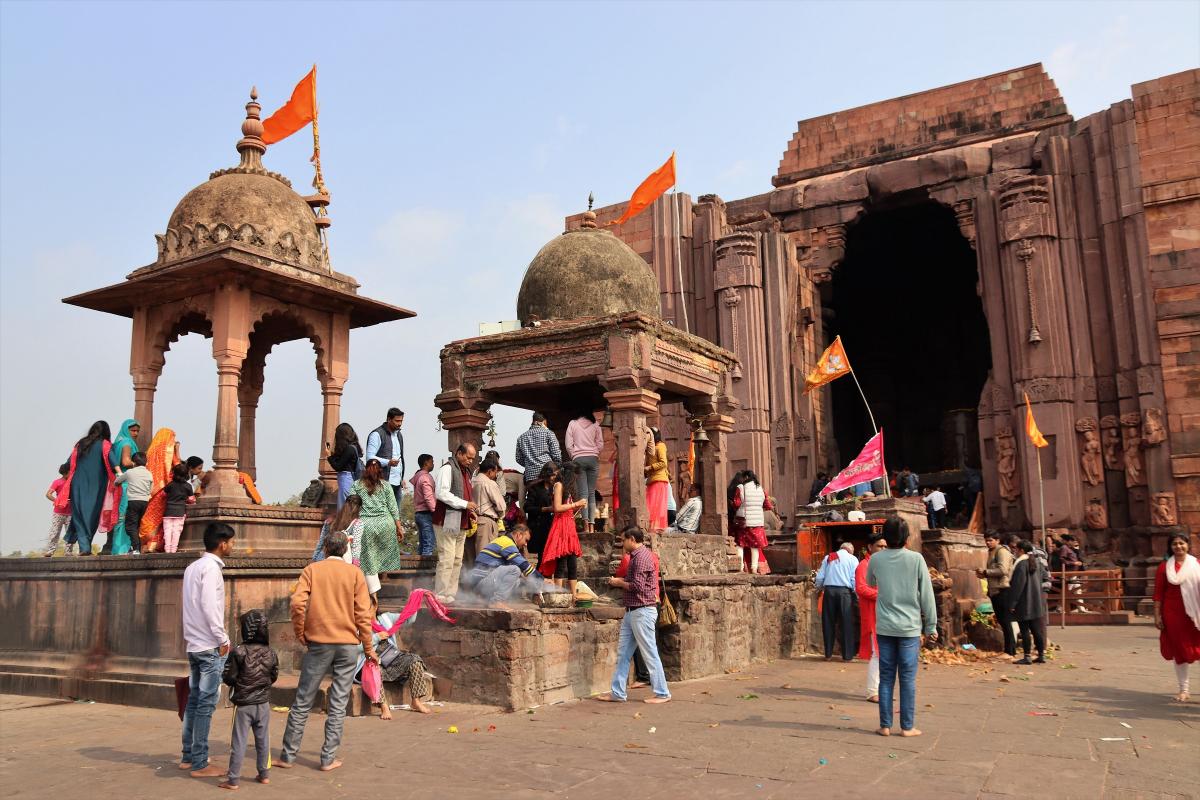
{"x":593,"y":338}
{"x":243,"y":261}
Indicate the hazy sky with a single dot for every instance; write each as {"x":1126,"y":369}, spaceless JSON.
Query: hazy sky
{"x":455,"y":138}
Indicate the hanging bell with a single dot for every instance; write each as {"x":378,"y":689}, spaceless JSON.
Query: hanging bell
{"x":700,"y":436}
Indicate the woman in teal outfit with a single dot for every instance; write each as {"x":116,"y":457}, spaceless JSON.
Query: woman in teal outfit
{"x":121,"y":455}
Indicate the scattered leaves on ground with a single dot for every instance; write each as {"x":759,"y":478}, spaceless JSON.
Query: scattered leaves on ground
{"x":748,"y":696}
{"x":634,"y":746}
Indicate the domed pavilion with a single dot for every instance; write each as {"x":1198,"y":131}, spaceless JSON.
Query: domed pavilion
{"x":592,"y":338}
{"x":243,"y":262}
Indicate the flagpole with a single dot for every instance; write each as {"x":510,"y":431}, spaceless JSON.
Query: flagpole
{"x":864,"y":399}
{"x":1041,"y":492}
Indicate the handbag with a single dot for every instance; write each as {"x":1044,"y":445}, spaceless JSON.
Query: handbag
{"x":666,"y":612}
{"x":394,"y":663}
{"x":372,"y":681}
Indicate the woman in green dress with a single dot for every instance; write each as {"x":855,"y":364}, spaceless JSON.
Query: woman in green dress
{"x":381,"y":524}
{"x":121,"y":455}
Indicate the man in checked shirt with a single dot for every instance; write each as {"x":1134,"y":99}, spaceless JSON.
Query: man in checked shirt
{"x":641,"y":613}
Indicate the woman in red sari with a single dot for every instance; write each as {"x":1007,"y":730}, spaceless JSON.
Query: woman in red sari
{"x":1177,"y":609}
{"x":558,"y":557}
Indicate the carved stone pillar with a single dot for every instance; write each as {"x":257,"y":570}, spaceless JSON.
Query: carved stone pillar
{"x":629,"y":409}
{"x":1040,"y":344}
{"x":464,"y":416}
{"x":712,"y":464}
{"x":738,"y":281}
{"x":331,"y":416}
{"x":145,"y":383}
{"x":231,"y":330}
{"x":247,"y":413}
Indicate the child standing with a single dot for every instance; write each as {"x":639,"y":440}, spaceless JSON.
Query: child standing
{"x":58,"y":517}
{"x":178,"y":493}
{"x":139,"y":485}
{"x":252,"y":668}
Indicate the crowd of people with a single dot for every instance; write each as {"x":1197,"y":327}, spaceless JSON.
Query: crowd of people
{"x":136,"y":500}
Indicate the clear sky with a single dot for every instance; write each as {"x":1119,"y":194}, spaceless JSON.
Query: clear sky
{"x":455,"y":138}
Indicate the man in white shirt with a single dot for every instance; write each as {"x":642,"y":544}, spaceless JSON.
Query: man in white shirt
{"x":386,"y":443}
{"x":688,"y":518}
{"x":935,"y":503}
{"x":207,"y":646}
{"x":452,"y":489}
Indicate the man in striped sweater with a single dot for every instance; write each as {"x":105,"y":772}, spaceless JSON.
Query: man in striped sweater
{"x":500,"y":568}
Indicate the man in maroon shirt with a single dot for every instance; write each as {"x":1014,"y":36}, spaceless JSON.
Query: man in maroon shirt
{"x":641,"y":614}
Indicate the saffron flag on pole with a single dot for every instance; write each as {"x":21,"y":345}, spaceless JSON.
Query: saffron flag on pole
{"x":650,"y":190}
{"x":866,"y":467}
{"x":297,"y":112}
{"x":832,"y":365}
{"x":1031,"y":427}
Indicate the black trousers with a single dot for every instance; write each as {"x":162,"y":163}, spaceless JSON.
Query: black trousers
{"x":1005,"y":620}
{"x":134,"y":511}
{"x":837,"y":611}
{"x":1038,"y":628}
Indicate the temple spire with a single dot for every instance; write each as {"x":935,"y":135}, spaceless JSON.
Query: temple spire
{"x":251,"y":146}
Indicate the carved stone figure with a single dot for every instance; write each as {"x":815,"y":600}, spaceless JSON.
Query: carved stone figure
{"x":1111,"y":443}
{"x":1095,"y":517}
{"x":1131,"y":445}
{"x":1090,"y":451}
{"x":1006,"y":464}
{"x":1162,"y":509}
{"x":1153,"y":431}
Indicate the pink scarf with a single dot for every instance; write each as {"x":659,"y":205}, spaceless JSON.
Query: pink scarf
{"x":411,"y":608}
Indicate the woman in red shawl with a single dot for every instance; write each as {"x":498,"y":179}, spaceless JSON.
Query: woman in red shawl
{"x":1177,"y":609}
{"x":868,"y":648}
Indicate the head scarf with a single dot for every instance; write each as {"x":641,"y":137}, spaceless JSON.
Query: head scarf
{"x":123,"y":440}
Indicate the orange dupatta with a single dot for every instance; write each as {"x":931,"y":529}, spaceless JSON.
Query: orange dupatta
{"x":160,"y":458}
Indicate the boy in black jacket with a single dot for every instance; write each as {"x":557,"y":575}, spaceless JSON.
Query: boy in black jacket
{"x":251,"y":669}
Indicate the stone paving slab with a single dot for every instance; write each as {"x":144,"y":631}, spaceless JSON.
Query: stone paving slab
{"x":712,"y":741}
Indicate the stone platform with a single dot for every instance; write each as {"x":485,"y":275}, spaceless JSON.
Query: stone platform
{"x":107,"y":628}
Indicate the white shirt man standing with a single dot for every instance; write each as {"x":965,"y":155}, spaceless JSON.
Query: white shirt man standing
{"x":452,"y":488}
{"x":207,"y":646}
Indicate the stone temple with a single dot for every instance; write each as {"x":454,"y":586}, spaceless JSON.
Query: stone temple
{"x":970,"y":244}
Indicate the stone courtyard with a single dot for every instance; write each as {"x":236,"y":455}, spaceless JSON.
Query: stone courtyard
{"x":1094,"y":723}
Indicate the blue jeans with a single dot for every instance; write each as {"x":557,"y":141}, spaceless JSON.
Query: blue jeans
{"x":585,"y":483}
{"x":204,"y":684}
{"x":898,"y":653}
{"x":425,"y":536}
{"x":345,"y":481}
{"x":637,"y":632}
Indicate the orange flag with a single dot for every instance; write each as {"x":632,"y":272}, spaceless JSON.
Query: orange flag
{"x":650,"y":190}
{"x":1031,"y":427}
{"x":297,"y":112}
{"x":832,"y":365}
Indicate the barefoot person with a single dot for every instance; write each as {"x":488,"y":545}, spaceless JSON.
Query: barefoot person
{"x":1177,"y":609}
{"x":207,"y":646}
{"x":868,"y":648}
{"x":904,"y":609}
{"x":331,"y":615}
{"x":641,"y":616}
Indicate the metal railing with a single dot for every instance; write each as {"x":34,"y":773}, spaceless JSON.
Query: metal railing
{"x":1075,"y":589}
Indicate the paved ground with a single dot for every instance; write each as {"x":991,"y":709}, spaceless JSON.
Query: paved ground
{"x":787,"y":729}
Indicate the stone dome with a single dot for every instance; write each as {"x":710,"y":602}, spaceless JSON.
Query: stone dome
{"x":248,"y":205}
{"x":587,"y":273}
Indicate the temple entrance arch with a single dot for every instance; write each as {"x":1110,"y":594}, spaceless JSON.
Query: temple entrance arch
{"x":904,"y":300}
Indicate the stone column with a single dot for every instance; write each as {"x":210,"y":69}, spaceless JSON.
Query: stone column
{"x":145,"y":383}
{"x":231,"y":330}
{"x":247,"y":411}
{"x":712,"y":464}
{"x":331,"y":417}
{"x":738,"y":281}
{"x":465,"y":426}
{"x":629,"y":409}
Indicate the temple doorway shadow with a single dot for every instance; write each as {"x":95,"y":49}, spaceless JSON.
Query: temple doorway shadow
{"x":905,"y":302}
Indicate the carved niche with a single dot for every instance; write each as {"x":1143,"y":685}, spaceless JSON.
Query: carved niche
{"x":1006,"y":464}
{"x":1154,"y":432}
{"x":1131,"y":445}
{"x":1090,"y":455}
{"x":1095,"y":517}
{"x":1110,"y":438}
{"x":1162,"y":509}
